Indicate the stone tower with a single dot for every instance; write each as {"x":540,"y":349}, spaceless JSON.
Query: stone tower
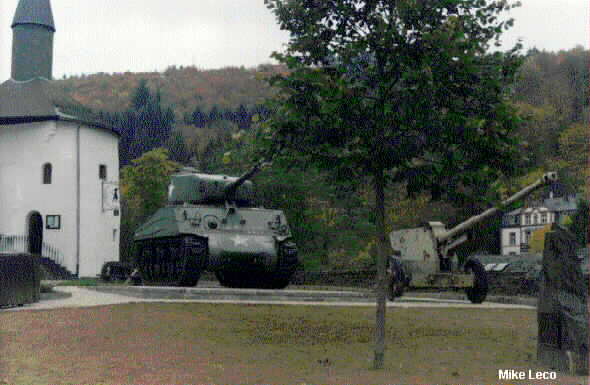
{"x":32,"y":44}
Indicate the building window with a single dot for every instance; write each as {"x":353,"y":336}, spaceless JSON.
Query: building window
{"x":517,"y":221}
{"x":102,"y":172}
{"x":535,"y":219}
{"x":47,"y":170}
{"x":512,"y":239}
{"x":544,"y":218}
{"x":53,"y":222}
{"x":527,"y":219}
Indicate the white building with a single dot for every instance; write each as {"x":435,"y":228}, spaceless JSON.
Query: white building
{"x":58,"y":173}
{"x":519,"y":225}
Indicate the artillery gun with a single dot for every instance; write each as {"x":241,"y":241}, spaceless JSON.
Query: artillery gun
{"x":428,"y":255}
{"x":211,"y":223}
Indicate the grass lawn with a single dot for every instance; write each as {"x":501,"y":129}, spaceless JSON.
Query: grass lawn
{"x":237,"y":344}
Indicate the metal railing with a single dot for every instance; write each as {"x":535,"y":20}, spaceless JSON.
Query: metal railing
{"x":20,"y":244}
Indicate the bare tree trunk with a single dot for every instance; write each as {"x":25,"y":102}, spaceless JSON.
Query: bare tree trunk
{"x":378,"y":361}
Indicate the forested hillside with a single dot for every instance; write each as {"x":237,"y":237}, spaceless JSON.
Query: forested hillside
{"x":182,"y":87}
{"x":205,"y":119}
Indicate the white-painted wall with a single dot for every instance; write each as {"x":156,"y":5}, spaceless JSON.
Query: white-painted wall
{"x":507,"y":248}
{"x":98,"y":244}
{"x":24,"y":148}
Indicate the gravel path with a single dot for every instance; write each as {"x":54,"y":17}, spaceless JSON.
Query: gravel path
{"x":72,"y":297}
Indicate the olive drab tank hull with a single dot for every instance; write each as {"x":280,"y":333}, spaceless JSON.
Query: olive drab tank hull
{"x":204,"y":229}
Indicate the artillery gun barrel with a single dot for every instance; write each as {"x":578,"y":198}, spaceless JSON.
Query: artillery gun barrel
{"x":547,"y":178}
{"x":231,"y":188}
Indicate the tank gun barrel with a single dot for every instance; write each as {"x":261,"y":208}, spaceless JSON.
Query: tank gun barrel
{"x":546,"y":179}
{"x":231,"y":188}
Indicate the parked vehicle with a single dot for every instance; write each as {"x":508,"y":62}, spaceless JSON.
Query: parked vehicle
{"x":428,"y":252}
{"x":211,"y":223}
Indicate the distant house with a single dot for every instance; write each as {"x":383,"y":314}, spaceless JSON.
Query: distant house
{"x":518,"y":225}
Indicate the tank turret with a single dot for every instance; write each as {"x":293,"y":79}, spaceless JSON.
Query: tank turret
{"x":190,"y":186}
{"x":232,"y":188}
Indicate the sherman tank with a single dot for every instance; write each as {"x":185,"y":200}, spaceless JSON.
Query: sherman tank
{"x":212,"y":224}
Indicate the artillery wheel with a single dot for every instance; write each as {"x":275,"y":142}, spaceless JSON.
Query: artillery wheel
{"x":478,"y":292}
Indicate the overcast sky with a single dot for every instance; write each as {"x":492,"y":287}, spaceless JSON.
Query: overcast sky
{"x":146,"y":35}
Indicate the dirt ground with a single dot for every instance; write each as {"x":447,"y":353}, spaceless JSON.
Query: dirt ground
{"x":239,"y":344}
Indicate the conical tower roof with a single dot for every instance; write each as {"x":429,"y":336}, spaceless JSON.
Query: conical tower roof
{"x":34,"y":12}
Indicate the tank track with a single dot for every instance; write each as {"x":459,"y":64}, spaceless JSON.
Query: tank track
{"x":176,"y":261}
{"x":259,"y":279}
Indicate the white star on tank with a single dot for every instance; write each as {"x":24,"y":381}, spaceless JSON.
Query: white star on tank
{"x":240,"y":240}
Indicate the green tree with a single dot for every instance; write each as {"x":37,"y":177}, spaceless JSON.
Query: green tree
{"x":539,"y":133}
{"x":400,"y":91}
{"x":581,"y":224}
{"x":141,"y":96}
{"x":198,"y":118}
{"x":177,"y":148}
{"x":146,"y":125}
{"x":144,"y":190}
{"x":573,"y":155}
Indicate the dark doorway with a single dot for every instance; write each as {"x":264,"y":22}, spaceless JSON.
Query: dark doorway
{"x":35,"y":233}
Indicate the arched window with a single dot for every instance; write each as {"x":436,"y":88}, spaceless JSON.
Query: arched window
{"x":47,"y":173}
{"x":102,"y":172}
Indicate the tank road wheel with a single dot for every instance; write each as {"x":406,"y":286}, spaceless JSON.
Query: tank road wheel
{"x":174,"y":252}
{"x":222,"y":278}
{"x":233,"y":279}
{"x":139,"y":257}
{"x":146,"y":258}
{"x":266,"y":280}
{"x":478,"y":292}
{"x":279,"y":282}
{"x":286,"y":267}
{"x":193,"y":256}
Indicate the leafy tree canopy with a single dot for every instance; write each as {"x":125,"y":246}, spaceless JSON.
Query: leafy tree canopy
{"x":406,"y":86}
{"x":143,"y":183}
{"x":573,"y":151}
{"x":580,"y":225}
{"x":142,"y":95}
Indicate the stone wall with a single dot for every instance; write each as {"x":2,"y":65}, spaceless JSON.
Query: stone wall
{"x":20,"y":279}
{"x":505,"y":283}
